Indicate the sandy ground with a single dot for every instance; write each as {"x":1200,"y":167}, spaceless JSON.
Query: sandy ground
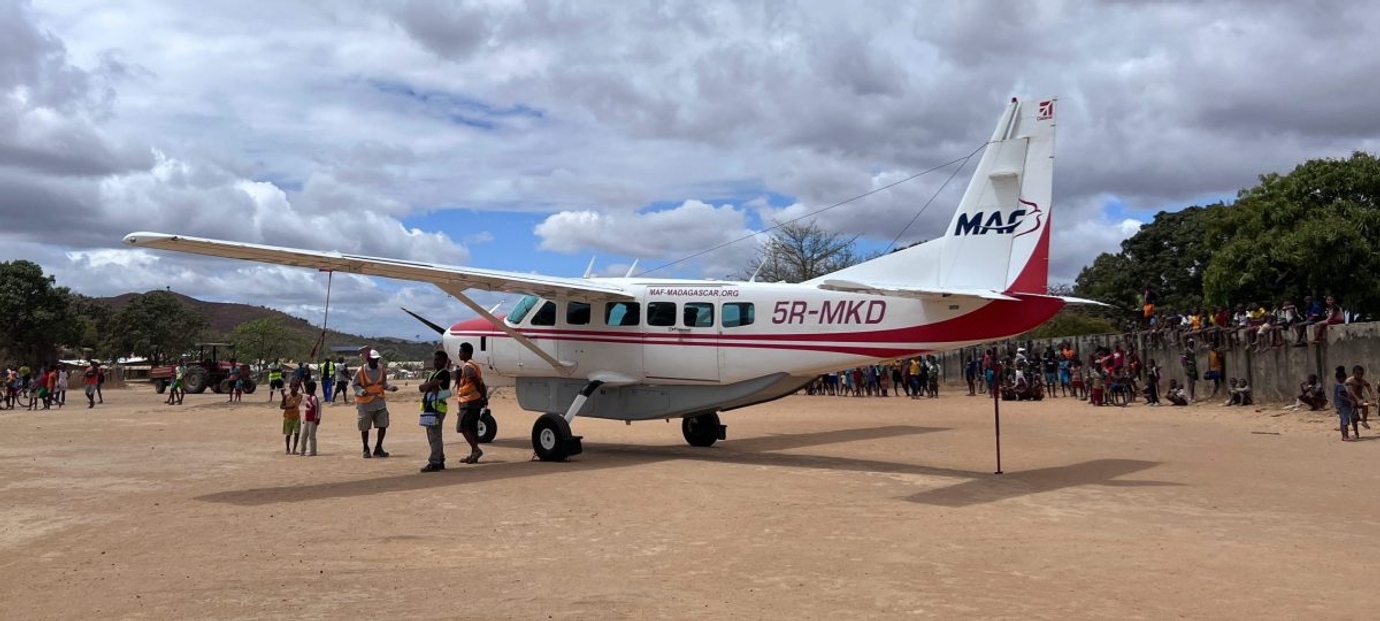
{"x":816,"y":507}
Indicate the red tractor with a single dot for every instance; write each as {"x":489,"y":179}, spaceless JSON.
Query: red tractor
{"x":204,"y":372}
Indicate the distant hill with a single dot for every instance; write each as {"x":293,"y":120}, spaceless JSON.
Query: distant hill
{"x":224,"y":316}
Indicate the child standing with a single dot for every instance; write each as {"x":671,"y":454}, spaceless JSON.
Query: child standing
{"x":61,"y":398}
{"x":1360,"y":389}
{"x":237,"y":378}
{"x":1095,"y":397}
{"x":311,"y":417}
{"x":1076,"y":381}
{"x":1343,"y":399}
{"x":1152,"y":383}
{"x":292,"y":419}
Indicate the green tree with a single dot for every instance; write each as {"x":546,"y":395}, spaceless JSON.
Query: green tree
{"x":156,"y":325}
{"x":38,"y":315}
{"x":268,"y":339}
{"x":1170,"y":253}
{"x":799,"y":251}
{"x":92,"y":319}
{"x":1311,"y":231}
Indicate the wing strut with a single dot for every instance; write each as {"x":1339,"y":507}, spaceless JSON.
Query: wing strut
{"x":459,"y":293}
{"x":321,"y":340}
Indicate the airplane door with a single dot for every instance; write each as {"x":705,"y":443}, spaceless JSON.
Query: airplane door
{"x":682,"y":342}
{"x":543,"y":322}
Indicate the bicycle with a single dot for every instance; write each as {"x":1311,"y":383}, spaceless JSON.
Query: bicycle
{"x":1118,"y":394}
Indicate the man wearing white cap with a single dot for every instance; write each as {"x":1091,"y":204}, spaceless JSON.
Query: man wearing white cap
{"x":370,"y":384}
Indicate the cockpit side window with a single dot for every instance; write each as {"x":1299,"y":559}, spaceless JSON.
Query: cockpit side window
{"x":738,"y":314}
{"x":523,"y":307}
{"x":546,"y":315}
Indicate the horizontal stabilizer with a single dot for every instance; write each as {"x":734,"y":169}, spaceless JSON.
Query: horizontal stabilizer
{"x":910,"y":292}
{"x":1084,"y":301}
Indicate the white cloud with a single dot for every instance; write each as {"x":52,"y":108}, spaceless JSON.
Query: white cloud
{"x":688,"y":228}
{"x":1082,"y":231}
{"x":328,"y":125}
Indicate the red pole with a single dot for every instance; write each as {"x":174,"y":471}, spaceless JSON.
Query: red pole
{"x":995,"y":388}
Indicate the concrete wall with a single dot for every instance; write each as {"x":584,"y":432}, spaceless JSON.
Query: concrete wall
{"x":1274,"y":374}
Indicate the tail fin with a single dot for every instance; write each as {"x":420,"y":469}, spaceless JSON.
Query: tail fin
{"x":998,"y":239}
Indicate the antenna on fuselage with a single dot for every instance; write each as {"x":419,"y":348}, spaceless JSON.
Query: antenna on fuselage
{"x":757,"y":271}
{"x":632,"y":268}
{"x":590,"y":269}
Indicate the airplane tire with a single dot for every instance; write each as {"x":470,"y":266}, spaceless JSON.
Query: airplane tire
{"x":488,"y":427}
{"x":702,"y":430}
{"x":551,"y":437}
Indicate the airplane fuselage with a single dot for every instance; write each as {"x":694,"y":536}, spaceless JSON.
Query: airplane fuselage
{"x":722,"y":334}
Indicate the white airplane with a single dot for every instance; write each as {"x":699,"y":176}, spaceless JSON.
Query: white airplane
{"x":636,"y":348}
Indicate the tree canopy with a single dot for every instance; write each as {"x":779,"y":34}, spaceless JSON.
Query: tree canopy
{"x":268,"y":339}
{"x":156,"y":325}
{"x":1303,"y":233}
{"x":799,"y":251}
{"x":37,"y":313}
{"x":1308,"y":232}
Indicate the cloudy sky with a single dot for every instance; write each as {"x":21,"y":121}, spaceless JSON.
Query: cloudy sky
{"x":531,"y":135}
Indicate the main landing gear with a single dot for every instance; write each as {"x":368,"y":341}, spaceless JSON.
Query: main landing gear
{"x":552,"y":440}
{"x":702,"y":430}
{"x":551,"y":437}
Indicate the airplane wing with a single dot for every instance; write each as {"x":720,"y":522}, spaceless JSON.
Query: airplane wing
{"x":449,"y":277}
{"x":911,"y":292}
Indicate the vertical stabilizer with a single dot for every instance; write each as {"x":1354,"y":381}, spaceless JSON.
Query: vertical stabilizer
{"x":998,"y":239}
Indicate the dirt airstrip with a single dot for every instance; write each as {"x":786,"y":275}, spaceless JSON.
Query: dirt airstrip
{"x":816,"y":507}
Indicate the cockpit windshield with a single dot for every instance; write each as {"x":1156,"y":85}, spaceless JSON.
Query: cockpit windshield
{"x":523,"y":307}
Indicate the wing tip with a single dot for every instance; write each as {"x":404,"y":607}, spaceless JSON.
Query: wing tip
{"x":144,"y":238}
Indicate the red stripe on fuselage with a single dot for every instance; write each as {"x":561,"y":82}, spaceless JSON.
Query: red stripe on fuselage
{"x":997,"y":319}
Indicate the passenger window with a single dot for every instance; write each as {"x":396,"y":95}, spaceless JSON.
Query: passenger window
{"x":577,"y":313}
{"x":546,"y":315}
{"x":661,"y":313}
{"x":622,"y":313}
{"x":737,"y":314}
{"x":699,"y":315}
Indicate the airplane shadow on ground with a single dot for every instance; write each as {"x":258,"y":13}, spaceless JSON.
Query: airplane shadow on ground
{"x":991,"y":488}
{"x":981,"y":487}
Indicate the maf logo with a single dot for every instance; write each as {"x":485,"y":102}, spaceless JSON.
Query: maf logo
{"x":1046,"y":111}
{"x":981,"y":223}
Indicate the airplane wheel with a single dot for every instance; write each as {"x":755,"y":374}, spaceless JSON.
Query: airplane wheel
{"x":702,"y":430}
{"x":552,"y":440}
{"x":488,"y":427}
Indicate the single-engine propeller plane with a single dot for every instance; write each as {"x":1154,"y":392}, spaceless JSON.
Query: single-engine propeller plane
{"x":642,"y":348}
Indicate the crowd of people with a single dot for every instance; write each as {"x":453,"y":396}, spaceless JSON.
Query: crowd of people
{"x":1109,"y":376}
{"x":1257,"y":325}
{"x":916,"y":378}
{"x":47,"y":387}
{"x":368,"y":388}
